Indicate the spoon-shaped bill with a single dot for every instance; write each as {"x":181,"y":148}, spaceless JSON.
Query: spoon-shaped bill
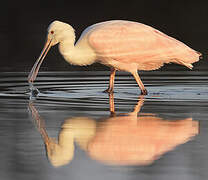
{"x":36,"y":66}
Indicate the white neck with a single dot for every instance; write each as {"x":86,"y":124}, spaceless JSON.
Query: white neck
{"x":81,"y":54}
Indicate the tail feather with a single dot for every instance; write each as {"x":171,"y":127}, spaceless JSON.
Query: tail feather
{"x":188,"y":65}
{"x":200,"y":54}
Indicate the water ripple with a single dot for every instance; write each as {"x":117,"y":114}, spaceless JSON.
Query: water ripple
{"x":88,"y":86}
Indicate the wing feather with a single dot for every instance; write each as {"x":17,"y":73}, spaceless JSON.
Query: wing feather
{"x":132,"y":42}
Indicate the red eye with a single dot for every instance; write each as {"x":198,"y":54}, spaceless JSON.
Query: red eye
{"x":52,"y":32}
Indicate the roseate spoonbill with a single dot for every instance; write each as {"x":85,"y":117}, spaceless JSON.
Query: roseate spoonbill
{"x":122,"y":45}
{"x":121,"y":139}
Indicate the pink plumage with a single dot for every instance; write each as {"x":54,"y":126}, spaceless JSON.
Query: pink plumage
{"x":132,"y":42}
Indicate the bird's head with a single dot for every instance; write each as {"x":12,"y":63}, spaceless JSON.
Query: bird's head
{"x":57,"y":32}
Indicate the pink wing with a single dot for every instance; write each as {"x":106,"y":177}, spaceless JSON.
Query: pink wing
{"x":132,"y":42}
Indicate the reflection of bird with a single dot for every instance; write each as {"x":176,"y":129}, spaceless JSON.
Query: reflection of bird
{"x":122,"y":45}
{"x":138,"y":139}
{"x":126,"y":139}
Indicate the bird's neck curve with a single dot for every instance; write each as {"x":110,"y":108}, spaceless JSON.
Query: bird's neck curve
{"x":80,"y":54}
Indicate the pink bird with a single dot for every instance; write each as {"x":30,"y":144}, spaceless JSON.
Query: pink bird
{"x":121,"y":45}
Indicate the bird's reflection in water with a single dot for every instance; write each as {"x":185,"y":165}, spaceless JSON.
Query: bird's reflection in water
{"x":124,"y":139}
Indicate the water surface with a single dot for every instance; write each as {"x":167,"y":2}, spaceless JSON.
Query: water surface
{"x":126,"y":136}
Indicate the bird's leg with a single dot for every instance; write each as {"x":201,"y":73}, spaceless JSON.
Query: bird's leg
{"x":111,"y":83}
{"x":139,"y":82}
{"x":111,"y":103}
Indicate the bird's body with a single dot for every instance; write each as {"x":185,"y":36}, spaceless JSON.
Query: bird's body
{"x":122,"y":45}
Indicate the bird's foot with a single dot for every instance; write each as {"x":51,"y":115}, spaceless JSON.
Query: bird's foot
{"x":109,"y":90}
{"x":113,"y":114}
{"x":144,"y":92}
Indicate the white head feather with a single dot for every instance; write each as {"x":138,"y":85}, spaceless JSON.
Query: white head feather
{"x":59,"y":31}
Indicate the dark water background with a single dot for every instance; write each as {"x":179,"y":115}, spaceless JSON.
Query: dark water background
{"x":173,"y":96}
